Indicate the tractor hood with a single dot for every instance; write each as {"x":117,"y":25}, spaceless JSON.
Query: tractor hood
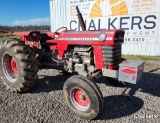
{"x":109,"y":37}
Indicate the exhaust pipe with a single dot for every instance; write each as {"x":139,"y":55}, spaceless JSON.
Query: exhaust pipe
{"x":80,"y":18}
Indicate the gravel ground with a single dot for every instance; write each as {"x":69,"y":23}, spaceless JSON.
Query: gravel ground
{"x":45,"y":103}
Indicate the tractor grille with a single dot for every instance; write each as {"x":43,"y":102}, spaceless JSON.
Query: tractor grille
{"x":111,"y":55}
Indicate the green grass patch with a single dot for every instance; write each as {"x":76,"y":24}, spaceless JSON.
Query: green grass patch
{"x":139,"y":57}
{"x":7,"y":37}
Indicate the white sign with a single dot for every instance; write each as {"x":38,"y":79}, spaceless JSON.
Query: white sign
{"x":139,"y":18}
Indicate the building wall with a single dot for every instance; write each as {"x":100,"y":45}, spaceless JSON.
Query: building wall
{"x":58,"y":13}
{"x":139,"y":19}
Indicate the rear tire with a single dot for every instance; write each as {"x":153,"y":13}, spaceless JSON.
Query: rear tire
{"x":20,"y":76}
{"x":83,"y":97}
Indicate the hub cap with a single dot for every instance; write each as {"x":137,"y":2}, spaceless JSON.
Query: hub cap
{"x":14,"y":66}
{"x":80,"y":99}
{"x":9,"y":67}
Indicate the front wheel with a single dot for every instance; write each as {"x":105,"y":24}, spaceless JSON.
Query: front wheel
{"x":83,"y":97}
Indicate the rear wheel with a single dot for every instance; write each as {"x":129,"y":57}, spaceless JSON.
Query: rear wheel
{"x":83,"y":97}
{"x":18,"y":68}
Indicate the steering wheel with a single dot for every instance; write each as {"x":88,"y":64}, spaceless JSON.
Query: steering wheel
{"x":57,"y":31}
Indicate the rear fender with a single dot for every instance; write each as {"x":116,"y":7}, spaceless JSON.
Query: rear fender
{"x":30,"y":38}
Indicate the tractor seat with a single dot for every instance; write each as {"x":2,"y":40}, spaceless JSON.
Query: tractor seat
{"x":44,"y":36}
{"x":45,"y":46}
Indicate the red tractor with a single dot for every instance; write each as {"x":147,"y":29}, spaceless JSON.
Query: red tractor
{"x":89,"y":54}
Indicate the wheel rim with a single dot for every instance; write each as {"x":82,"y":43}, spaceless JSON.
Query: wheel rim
{"x":80,"y":99}
{"x":10,"y":67}
{"x":14,"y":66}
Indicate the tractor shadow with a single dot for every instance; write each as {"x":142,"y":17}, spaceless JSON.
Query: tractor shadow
{"x":127,"y":104}
{"x":149,"y":83}
{"x":118,"y":106}
{"x":49,"y":83}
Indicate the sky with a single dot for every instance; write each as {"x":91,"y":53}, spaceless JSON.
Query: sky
{"x":24,"y":12}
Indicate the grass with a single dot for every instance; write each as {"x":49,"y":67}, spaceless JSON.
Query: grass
{"x":6,"y":37}
{"x":139,"y":57}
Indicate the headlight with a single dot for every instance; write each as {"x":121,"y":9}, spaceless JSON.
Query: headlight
{"x":102,"y":36}
{"x":34,"y":34}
